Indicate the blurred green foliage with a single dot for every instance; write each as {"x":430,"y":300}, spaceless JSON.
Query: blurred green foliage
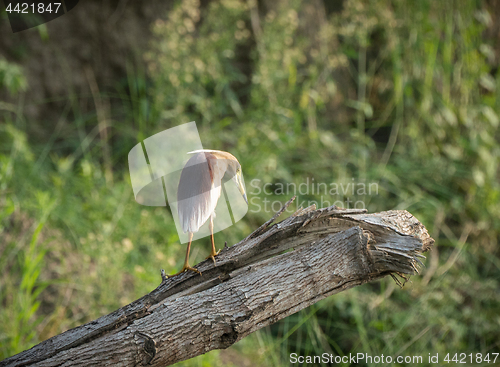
{"x":12,"y":77}
{"x":404,"y":94}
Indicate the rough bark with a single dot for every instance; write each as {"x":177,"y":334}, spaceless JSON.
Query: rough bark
{"x":276,"y":271}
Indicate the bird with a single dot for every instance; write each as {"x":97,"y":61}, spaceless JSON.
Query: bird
{"x":199,"y":190}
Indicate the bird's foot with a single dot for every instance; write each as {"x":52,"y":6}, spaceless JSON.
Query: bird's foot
{"x":213,"y":255}
{"x":184,"y":268}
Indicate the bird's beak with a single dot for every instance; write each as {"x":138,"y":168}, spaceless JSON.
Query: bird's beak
{"x":241,"y":187}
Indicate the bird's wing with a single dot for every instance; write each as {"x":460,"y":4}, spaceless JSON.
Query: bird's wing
{"x":195,"y":199}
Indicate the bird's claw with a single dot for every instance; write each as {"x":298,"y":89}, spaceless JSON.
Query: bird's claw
{"x":212,"y":256}
{"x":192,"y":269}
{"x":184,"y":268}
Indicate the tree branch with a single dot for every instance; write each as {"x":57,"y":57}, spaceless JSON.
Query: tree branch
{"x":276,"y":271}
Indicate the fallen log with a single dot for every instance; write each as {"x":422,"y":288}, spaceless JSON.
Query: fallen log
{"x":276,"y":271}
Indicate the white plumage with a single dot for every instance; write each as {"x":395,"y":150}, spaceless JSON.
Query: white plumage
{"x":199,"y":191}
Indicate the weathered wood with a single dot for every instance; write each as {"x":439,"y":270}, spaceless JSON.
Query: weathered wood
{"x":276,"y":271}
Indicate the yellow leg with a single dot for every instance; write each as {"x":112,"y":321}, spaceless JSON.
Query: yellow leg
{"x":186,"y":266}
{"x":213,"y":253}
